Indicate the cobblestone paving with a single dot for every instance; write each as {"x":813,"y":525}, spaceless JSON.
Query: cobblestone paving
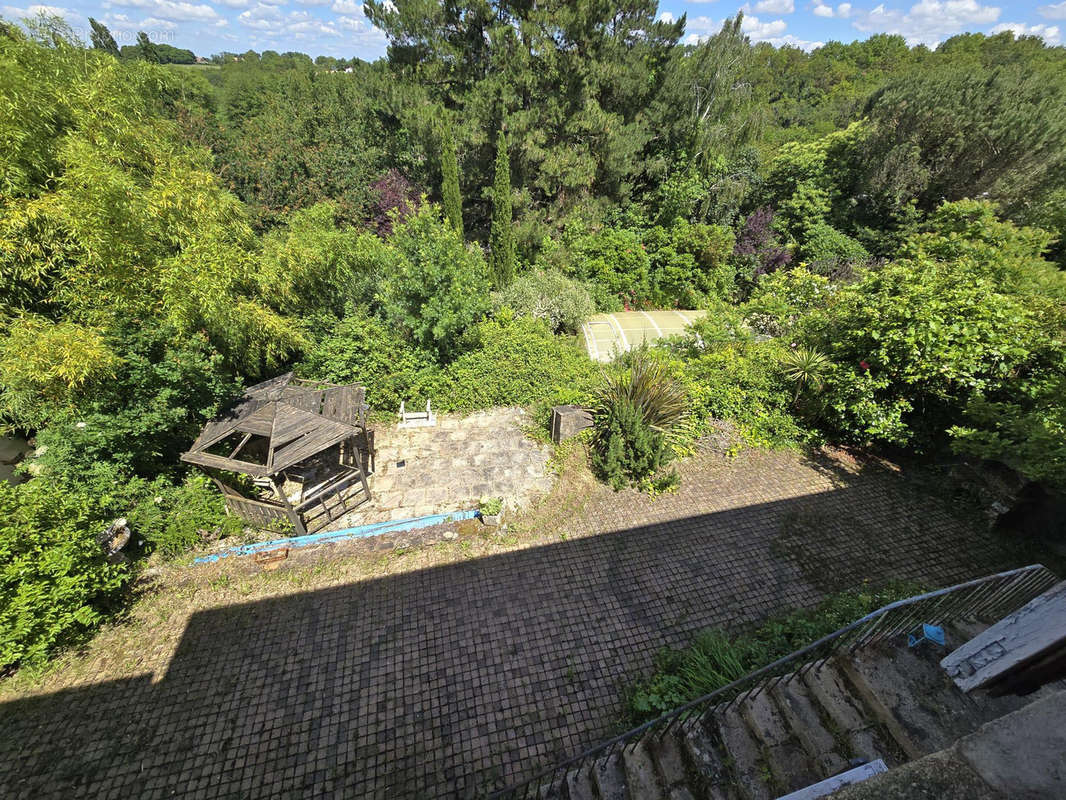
{"x":445,"y":681}
{"x":450,"y":467}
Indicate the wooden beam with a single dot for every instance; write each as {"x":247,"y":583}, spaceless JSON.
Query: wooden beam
{"x":292,"y":513}
{"x":242,"y":443}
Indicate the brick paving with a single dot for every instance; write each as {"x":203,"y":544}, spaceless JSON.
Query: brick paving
{"x":446,"y":681}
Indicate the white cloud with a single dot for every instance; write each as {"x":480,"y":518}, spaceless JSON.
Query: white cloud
{"x":155,"y":24}
{"x":825,"y":11}
{"x":173,"y":10}
{"x":791,"y":41}
{"x":363,"y":35}
{"x":844,"y":10}
{"x":759,"y":31}
{"x":928,"y":21}
{"x":1049,"y":33}
{"x":235,"y":3}
{"x":35,"y":10}
{"x":773,"y":7}
{"x":1057,"y":11}
{"x":667,"y":17}
{"x":261,"y":18}
{"x":347,"y":7}
{"x":700,"y":28}
{"x":276,"y":27}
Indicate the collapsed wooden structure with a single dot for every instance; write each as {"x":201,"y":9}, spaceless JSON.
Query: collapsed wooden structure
{"x":300,"y":442}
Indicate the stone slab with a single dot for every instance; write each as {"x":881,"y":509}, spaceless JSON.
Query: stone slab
{"x":1036,"y":628}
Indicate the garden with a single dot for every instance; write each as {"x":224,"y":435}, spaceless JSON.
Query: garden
{"x":167,"y":240}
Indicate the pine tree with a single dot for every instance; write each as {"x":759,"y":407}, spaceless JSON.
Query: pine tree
{"x":101,"y":38}
{"x":449,"y":173}
{"x":501,"y":234}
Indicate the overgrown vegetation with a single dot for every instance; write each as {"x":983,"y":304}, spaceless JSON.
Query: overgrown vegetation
{"x":876,"y":232}
{"x":716,"y":658}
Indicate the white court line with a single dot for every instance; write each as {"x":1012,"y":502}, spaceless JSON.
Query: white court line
{"x":590,"y":342}
{"x":622,"y":333}
{"x":658,"y":330}
{"x":684,"y":319}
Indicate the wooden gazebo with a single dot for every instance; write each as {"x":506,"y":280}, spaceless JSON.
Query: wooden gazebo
{"x":299,"y":442}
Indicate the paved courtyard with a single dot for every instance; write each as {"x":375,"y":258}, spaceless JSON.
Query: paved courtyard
{"x":448,"y":680}
{"x":451,"y":466}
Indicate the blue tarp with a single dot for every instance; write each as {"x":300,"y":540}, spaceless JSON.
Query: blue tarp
{"x":395,"y":526}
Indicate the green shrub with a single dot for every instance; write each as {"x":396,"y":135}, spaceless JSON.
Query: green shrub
{"x":561,"y":302}
{"x":511,"y":361}
{"x":362,"y":349}
{"x":145,"y":414}
{"x":782,"y":298}
{"x":691,"y":264}
{"x":614,"y":262}
{"x":173,"y":519}
{"x":54,"y":582}
{"x":742,"y":382}
{"x":626,"y":450}
{"x":828,"y":251}
{"x":315,"y":263}
{"x":439,"y":288}
{"x":633,"y":411}
{"x":914,"y":342}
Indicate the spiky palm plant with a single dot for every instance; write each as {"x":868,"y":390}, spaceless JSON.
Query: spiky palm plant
{"x":633,"y":411}
{"x":648,"y":387}
{"x":805,"y":367}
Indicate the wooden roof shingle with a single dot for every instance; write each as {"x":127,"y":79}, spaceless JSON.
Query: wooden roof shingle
{"x":297,"y":420}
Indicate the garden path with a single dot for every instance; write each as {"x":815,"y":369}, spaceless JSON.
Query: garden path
{"x":444,"y":669}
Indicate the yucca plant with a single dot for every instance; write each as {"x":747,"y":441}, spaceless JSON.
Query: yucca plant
{"x":648,"y":387}
{"x":805,"y":367}
{"x":633,"y":411}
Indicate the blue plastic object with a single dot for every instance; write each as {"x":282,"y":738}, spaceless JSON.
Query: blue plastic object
{"x":360,"y":532}
{"x":930,"y":633}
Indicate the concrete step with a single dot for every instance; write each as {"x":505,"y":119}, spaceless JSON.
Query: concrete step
{"x":642,"y":780}
{"x":706,"y":762}
{"x":856,"y":725}
{"x":914,"y":697}
{"x":782,"y":752}
{"x":752,"y":775}
{"x":609,"y":778}
{"x":579,"y":785}
{"x":798,"y":708}
{"x":666,"y":753}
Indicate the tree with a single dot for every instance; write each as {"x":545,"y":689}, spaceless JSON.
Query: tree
{"x":968,"y":129}
{"x":575,"y":78}
{"x":501,"y":235}
{"x":146,"y":51}
{"x":102,"y":39}
{"x":108,"y":217}
{"x":449,"y":171}
{"x":438,"y":287}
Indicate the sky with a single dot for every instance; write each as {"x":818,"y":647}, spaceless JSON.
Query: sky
{"x":339,"y":27}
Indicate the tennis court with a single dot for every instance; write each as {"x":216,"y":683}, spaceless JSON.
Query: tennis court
{"x":607,"y":335}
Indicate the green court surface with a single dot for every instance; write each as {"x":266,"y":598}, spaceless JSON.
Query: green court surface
{"x":607,"y":335}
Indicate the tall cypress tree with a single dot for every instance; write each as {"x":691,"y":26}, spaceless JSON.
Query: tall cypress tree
{"x":501,"y":234}
{"x":146,"y":49}
{"x":449,"y":174}
{"x":101,"y":38}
